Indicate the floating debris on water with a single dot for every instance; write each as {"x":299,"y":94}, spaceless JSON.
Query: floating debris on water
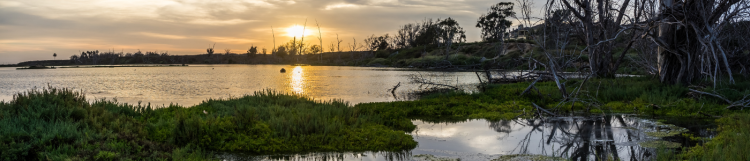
{"x":661,"y":130}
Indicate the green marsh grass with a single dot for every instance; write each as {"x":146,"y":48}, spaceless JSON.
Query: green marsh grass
{"x":731,"y":143}
{"x":503,"y":101}
{"x":271,"y":122}
{"x":59,"y":124}
{"x":639,"y":95}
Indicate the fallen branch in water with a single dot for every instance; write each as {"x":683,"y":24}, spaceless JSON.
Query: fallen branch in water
{"x":420,"y":80}
{"x":393,"y":90}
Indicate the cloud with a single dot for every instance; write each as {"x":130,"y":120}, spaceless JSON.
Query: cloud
{"x":40,"y":43}
{"x":341,"y":5}
{"x":38,"y":27}
{"x":87,"y":8}
{"x":164,"y":36}
{"x":219,"y":22}
{"x":231,"y":40}
{"x":4,"y":4}
{"x":197,"y":10}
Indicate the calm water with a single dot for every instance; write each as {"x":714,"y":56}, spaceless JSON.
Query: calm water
{"x":574,"y":138}
{"x":193,"y":84}
{"x":567,"y":137}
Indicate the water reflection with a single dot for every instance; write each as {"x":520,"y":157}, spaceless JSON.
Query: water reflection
{"x":191,"y":85}
{"x":572,"y":138}
{"x":298,"y":80}
{"x":324,"y":156}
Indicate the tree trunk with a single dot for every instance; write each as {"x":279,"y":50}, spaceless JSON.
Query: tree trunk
{"x":679,"y":52}
{"x":599,"y":61}
{"x":667,"y":63}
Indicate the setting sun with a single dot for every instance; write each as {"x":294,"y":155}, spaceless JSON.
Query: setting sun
{"x":297,"y":31}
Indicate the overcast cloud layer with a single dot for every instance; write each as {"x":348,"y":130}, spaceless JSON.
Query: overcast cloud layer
{"x":34,"y":29}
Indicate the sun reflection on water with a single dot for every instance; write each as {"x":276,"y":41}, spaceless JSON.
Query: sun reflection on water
{"x":298,"y":80}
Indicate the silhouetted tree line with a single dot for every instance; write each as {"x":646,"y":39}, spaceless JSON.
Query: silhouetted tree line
{"x":252,"y":56}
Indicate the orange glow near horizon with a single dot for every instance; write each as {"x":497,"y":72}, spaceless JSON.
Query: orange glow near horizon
{"x":185,"y":27}
{"x":297,"y":31}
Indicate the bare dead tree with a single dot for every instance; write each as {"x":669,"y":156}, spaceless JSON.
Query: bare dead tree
{"x":601,"y":22}
{"x":647,"y":51}
{"x":561,"y":22}
{"x":735,"y":40}
{"x":551,"y":65}
{"x":301,"y":48}
{"x":273,"y":49}
{"x":353,"y":47}
{"x":338,"y":43}
{"x":320,"y":38}
{"x":687,"y":32}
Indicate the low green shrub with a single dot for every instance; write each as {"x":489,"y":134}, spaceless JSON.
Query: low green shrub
{"x":730,"y":144}
{"x":59,"y":124}
{"x":379,"y":61}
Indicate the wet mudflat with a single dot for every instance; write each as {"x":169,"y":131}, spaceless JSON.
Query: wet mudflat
{"x":626,"y":137}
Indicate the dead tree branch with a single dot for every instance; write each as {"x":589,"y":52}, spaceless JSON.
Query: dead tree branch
{"x":543,"y":110}
{"x":711,"y":94}
{"x":393,"y":90}
{"x":423,"y":81}
{"x":742,"y":103}
{"x":530,"y":86}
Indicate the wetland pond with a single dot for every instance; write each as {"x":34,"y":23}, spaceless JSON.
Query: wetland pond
{"x":627,"y":137}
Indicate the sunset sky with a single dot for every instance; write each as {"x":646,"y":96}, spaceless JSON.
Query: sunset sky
{"x":34,"y":29}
